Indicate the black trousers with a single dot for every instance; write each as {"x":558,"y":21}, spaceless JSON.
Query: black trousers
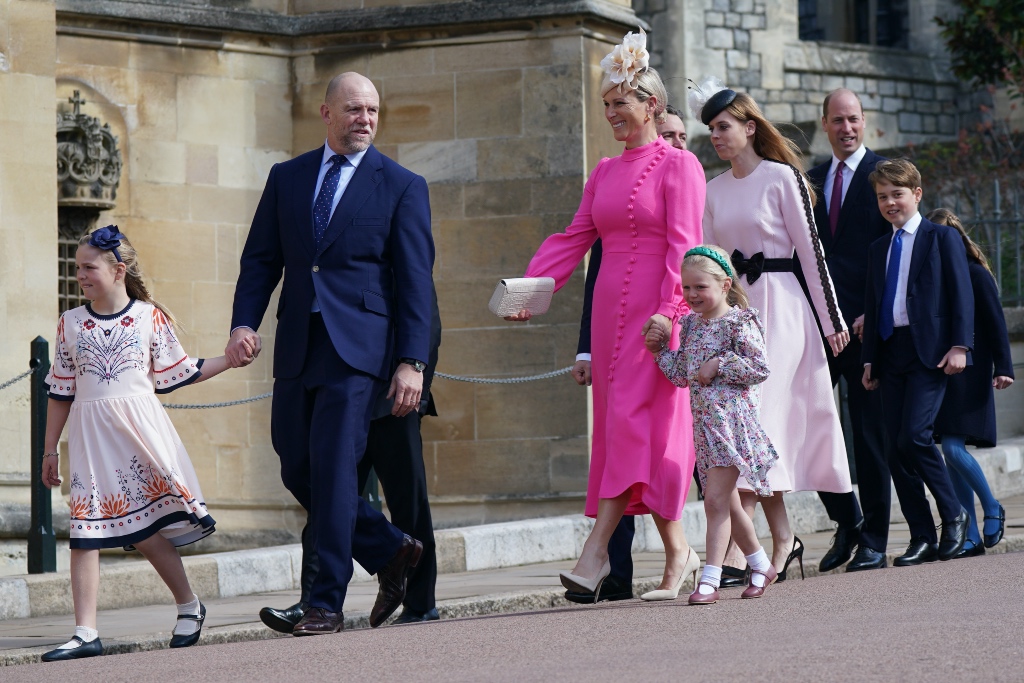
{"x":620,"y":549}
{"x":394,"y":449}
{"x":911,"y":397}
{"x":870,"y":453}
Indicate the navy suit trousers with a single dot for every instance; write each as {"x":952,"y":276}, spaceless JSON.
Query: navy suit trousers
{"x":319,"y":423}
{"x":911,"y":397}
{"x":620,"y":549}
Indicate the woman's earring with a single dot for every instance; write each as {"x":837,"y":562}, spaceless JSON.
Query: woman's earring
{"x":646,"y":119}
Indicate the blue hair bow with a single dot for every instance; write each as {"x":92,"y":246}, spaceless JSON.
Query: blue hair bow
{"x":107,"y":239}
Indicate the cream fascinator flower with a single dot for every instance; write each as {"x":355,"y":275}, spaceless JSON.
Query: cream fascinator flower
{"x":623,"y":64}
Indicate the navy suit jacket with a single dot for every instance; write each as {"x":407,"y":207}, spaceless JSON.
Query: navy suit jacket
{"x":588,"y":297}
{"x":940,"y":301}
{"x":371,"y":274}
{"x":860,"y":224}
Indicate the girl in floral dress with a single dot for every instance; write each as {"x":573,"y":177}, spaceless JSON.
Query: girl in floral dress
{"x":721,"y":357}
{"x":132,"y":484}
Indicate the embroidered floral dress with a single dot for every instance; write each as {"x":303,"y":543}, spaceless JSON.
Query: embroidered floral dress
{"x":130,"y":474}
{"x":726,"y":428}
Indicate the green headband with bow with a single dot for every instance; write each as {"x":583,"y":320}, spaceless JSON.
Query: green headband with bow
{"x":713,"y":255}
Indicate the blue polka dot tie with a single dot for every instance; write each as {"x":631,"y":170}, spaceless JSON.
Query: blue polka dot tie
{"x":325,"y":199}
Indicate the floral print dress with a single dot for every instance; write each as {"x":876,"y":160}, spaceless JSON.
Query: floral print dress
{"x":726,"y":429}
{"x":130,"y":474}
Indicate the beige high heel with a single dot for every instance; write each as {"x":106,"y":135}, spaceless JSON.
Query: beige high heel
{"x":581,"y":584}
{"x":692,"y":567}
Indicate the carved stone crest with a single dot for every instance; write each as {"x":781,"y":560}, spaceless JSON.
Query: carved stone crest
{"x":88,"y":160}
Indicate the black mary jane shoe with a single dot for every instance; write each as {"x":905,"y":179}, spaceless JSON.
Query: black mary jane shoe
{"x":189,"y":641}
{"x":992,"y":539}
{"x":94,"y":648}
{"x":973,"y":551}
{"x":797,"y":553}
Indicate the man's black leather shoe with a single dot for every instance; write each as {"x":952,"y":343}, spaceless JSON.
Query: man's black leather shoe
{"x":612,"y":589}
{"x":918,"y":552}
{"x":843,"y":543}
{"x":414,"y":616}
{"x":733,"y":577}
{"x":954,"y":533}
{"x":867,"y":558}
{"x":283,"y":620}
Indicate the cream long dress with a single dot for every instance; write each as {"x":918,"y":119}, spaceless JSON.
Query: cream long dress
{"x":765,"y":212}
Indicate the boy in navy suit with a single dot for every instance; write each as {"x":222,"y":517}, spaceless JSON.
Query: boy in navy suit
{"x":918,"y":329}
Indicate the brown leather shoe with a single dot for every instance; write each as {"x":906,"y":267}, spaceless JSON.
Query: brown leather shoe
{"x":698,"y":598}
{"x":393,"y":579}
{"x":755,"y":591}
{"x":318,"y":621}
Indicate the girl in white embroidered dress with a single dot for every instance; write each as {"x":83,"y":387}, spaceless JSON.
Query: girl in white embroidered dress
{"x":132,"y":484}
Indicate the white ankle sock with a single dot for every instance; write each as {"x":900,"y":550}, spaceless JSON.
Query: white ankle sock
{"x":760,"y":562}
{"x":710,"y":580}
{"x":85,"y":633}
{"x":186,"y":627}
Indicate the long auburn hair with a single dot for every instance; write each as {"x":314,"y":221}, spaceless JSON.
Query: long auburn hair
{"x":768,"y":142}
{"x":974,"y":253}
{"x":134,"y":282}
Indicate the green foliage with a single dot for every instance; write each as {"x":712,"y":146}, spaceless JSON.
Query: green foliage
{"x":986,"y":42}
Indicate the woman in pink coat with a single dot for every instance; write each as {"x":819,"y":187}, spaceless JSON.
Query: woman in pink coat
{"x":646,"y":206}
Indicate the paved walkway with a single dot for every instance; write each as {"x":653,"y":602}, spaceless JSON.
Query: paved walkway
{"x":513,"y":589}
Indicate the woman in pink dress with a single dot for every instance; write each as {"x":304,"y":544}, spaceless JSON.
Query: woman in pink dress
{"x":646,"y":207}
{"x":760,"y":211}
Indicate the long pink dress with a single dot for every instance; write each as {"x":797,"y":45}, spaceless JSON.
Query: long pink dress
{"x":646,"y":207}
{"x":765,"y":212}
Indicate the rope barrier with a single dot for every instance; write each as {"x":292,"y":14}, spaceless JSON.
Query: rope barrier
{"x":223,"y":404}
{"x":15,"y":380}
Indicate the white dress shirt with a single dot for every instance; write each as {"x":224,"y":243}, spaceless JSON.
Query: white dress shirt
{"x":899,"y":306}
{"x":851,"y":167}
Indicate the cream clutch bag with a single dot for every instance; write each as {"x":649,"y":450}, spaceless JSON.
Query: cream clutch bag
{"x":514,"y":294}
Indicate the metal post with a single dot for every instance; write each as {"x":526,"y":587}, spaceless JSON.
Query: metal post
{"x":372,"y":491}
{"x":42,"y":544}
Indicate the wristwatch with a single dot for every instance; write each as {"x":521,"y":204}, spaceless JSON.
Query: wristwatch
{"x":417,"y":365}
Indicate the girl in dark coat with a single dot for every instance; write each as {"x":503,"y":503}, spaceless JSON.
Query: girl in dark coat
{"x":968,"y":414}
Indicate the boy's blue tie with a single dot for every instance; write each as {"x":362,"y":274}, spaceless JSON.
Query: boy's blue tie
{"x":892,"y":274}
{"x":325,"y":199}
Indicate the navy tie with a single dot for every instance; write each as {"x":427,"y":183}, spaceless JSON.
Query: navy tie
{"x":892,"y":275}
{"x":325,"y":199}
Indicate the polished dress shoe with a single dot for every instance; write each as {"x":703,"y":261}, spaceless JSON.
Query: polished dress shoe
{"x":755,"y":591}
{"x":918,"y":552}
{"x":192,"y":638}
{"x":283,"y":620}
{"x":393,"y":580}
{"x":612,"y":589}
{"x":866,"y":558}
{"x":954,"y":535}
{"x":94,"y":648}
{"x":733,"y":577}
{"x":318,"y":621}
{"x":843,"y":542}
{"x":971,"y":549}
{"x":414,"y":616}
{"x":992,"y":539}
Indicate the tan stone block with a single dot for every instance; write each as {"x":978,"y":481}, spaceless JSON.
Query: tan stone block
{"x":526,"y":350}
{"x":211,"y":306}
{"x":213,"y":204}
{"x":455,"y":406}
{"x":264,"y":69}
{"x":445,"y":161}
{"x":164,"y":202}
{"x":555,"y":407}
{"x":552,"y":97}
{"x":32,"y":45}
{"x":570,"y":464}
{"x":446,"y":201}
{"x":417,"y":108}
{"x":502,"y":158}
{"x":81,"y":50}
{"x":498,"y":198}
{"x":489,"y":103}
{"x":565,"y":155}
{"x":273,"y":116}
{"x":216,"y":111}
{"x":228,"y":253}
{"x":401,"y":62}
{"x":176,"y":60}
{"x":493,"y":468}
{"x":25,"y":185}
{"x":201,"y":164}
{"x":497,"y":247}
{"x":154,"y":239}
{"x":157,"y":161}
{"x":157,"y":109}
{"x":246,"y":167}
{"x":26,"y":99}
{"x":497,"y":55}
{"x":557,"y":195}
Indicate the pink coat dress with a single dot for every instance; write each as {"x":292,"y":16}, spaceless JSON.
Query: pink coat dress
{"x":764,"y":212}
{"x":646,"y":207}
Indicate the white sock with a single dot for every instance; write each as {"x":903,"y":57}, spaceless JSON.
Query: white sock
{"x":710,"y":580}
{"x":761,"y":563}
{"x":186,"y":627}
{"x":85,"y":633}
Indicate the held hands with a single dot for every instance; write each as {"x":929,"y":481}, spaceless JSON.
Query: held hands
{"x":839,"y":340}
{"x":51,"y":475}
{"x":708,"y":371}
{"x":657,"y":321}
{"x":243,"y":347}
{"x":1001,"y":382}
{"x":869,"y":384}
{"x":655,"y":339}
{"x":954,"y":361}
{"x":858,"y":327}
{"x":581,"y":373}
{"x":406,"y":388}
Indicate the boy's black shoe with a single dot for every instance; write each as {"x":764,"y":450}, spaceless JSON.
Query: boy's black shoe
{"x":866,"y":558}
{"x":954,"y":534}
{"x":918,"y":552}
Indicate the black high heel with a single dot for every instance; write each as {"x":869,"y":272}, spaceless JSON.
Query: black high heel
{"x":797,"y":553}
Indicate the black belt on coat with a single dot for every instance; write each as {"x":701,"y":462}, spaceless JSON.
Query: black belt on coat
{"x":755,"y":265}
